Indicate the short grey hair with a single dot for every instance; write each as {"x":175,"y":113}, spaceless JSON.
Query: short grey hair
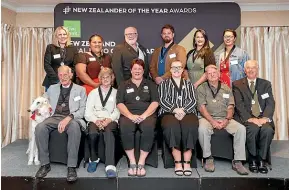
{"x":65,"y":67}
{"x":252,"y":61}
{"x":211,"y":66}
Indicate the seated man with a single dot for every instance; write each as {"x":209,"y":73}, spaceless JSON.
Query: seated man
{"x":255,"y":107}
{"x":68,"y":105}
{"x":216,"y":105}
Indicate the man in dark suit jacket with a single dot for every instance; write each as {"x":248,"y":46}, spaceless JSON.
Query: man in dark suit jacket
{"x":255,"y":107}
{"x":124,"y":53}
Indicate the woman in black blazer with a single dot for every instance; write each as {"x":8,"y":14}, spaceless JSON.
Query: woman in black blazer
{"x":60,"y":52}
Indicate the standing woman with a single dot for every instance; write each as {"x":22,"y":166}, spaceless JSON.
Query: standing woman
{"x":60,"y":52}
{"x":199,"y":57}
{"x":178,"y":118}
{"x":231,"y":60}
{"x":89,"y":64}
{"x":137,"y":101}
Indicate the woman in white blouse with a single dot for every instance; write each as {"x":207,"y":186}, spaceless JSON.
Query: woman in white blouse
{"x":102,"y":116}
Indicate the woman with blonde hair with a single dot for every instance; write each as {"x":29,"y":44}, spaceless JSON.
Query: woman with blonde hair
{"x":59,"y":53}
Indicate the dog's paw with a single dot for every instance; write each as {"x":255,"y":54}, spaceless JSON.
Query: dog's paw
{"x":37,"y":162}
{"x":30,"y":163}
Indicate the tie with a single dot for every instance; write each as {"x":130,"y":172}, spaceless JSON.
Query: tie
{"x":255,"y":107}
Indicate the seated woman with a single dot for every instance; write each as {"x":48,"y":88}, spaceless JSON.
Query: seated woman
{"x":88,"y":64}
{"x":102,"y":116}
{"x":60,"y":52}
{"x":178,"y":117}
{"x":137,"y":101}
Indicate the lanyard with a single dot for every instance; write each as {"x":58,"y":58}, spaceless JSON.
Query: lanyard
{"x":163,"y":54}
{"x":179,"y":90}
{"x":97,"y":58}
{"x":231,"y":51}
{"x":65,"y":96}
{"x":62,"y":54}
{"x":218,"y":89}
{"x":103,"y":102}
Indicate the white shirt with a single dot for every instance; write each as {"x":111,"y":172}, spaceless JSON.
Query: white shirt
{"x":140,"y":53}
{"x":94,"y":110}
{"x":249,"y":82}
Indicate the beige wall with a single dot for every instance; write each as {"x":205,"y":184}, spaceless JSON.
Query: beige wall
{"x":35,"y":19}
{"x":248,"y":18}
{"x":8,"y":16}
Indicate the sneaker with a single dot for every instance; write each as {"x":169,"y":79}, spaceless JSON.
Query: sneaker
{"x":239,"y":168}
{"x":43,"y":170}
{"x":71,"y":174}
{"x":209,"y":165}
{"x":92,"y":166}
{"x":110,"y":171}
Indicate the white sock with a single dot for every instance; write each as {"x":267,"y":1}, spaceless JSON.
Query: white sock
{"x":94,"y":161}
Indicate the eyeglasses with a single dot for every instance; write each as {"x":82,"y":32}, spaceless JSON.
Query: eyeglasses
{"x":131,"y":34}
{"x":176,"y":68}
{"x":105,"y":77}
{"x":228,"y":37}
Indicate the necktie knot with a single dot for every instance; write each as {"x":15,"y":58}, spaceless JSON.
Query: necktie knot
{"x":252,"y":86}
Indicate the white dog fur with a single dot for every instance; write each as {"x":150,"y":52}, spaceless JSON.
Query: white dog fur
{"x":40,"y":109}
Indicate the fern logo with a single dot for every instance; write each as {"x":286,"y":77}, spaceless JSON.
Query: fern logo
{"x":74,"y":27}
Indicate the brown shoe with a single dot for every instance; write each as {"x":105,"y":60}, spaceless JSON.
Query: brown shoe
{"x":209,"y":165}
{"x":239,"y":168}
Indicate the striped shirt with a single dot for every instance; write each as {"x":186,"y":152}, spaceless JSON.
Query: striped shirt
{"x":172,"y":97}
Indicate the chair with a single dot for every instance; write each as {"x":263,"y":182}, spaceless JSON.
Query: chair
{"x":58,"y":147}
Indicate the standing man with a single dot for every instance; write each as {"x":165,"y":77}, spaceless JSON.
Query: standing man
{"x":124,"y":53}
{"x":255,"y":107}
{"x":67,"y":101}
{"x":216,"y":105}
{"x":163,"y":57}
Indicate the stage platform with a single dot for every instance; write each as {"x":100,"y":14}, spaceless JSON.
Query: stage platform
{"x":17,"y":175}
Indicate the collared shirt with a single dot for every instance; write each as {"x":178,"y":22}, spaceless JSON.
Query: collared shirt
{"x":170,"y":98}
{"x":249,"y":81}
{"x":140,"y":53}
{"x":218,"y":108}
{"x":162,"y":64}
{"x":137,"y":99}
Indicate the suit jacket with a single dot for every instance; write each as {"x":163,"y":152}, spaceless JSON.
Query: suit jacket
{"x":122,"y":56}
{"x":243,"y":99}
{"x":77,"y":101}
{"x":180,"y":54}
{"x":52,"y":61}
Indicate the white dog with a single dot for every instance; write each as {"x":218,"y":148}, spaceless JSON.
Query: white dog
{"x":40,"y":109}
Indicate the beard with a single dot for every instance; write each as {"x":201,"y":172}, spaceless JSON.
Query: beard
{"x":167,"y":40}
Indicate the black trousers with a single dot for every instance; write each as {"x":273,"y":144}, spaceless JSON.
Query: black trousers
{"x":258,"y":140}
{"x":182,"y":135}
{"x":109,"y":134}
{"x":147,"y":130}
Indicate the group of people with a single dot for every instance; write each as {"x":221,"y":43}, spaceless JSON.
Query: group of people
{"x":190,"y":94}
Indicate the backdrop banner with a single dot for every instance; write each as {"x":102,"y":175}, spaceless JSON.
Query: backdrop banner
{"x":110,"y":20}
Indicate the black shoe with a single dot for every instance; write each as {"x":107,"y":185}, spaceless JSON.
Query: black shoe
{"x":71,"y":174}
{"x":263,"y":168}
{"x":253,"y":167}
{"x":43,"y":170}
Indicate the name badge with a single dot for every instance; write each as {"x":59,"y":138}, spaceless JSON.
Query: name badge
{"x":226,"y":95}
{"x":234,"y":62}
{"x":77,"y":98}
{"x":129,"y":90}
{"x":172,"y":55}
{"x":264,"y":96}
{"x":56,"y":56}
{"x":92,"y":59}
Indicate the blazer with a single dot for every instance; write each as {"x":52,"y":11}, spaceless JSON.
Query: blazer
{"x":122,"y":56}
{"x":52,"y":61}
{"x":243,"y":99}
{"x":77,"y":101}
{"x":180,"y":54}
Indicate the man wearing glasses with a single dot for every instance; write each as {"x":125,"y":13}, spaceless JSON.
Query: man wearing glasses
{"x":124,"y":53}
{"x":163,"y":57}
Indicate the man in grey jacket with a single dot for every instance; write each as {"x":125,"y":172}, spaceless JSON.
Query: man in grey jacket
{"x":68,"y":102}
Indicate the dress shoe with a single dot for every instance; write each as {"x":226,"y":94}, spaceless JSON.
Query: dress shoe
{"x":71,"y":174}
{"x":239,"y":167}
{"x":43,"y":170}
{"x":253,"y":167}
{"x":263,"y":168}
